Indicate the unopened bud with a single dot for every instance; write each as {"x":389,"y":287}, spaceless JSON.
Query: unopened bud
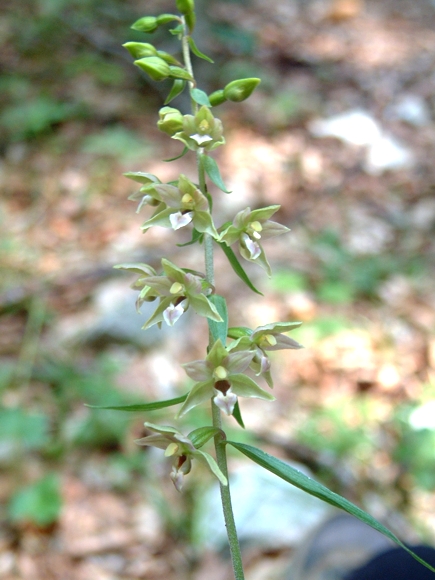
{"x":165,"y":18}
{"x":217,"y":98}
{"x":146,"y":24}
{"x":155,"y":67}
{"x":140,"y":49}
{"x":171,"y":121}
{"x":185,"y":6}
{"x":241,"y":89}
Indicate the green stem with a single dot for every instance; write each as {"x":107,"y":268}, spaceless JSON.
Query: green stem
{"x":221,"y":457}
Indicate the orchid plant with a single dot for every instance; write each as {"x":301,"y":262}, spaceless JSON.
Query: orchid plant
{"x":221,"y":377}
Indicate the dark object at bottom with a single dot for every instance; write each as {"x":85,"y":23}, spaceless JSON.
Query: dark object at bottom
{"x":396,"y":564}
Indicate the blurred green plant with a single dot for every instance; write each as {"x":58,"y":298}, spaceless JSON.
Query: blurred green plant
{"x":38,"y":503}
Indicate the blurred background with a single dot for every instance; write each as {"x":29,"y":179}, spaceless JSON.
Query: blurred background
{"x":341,"y":133}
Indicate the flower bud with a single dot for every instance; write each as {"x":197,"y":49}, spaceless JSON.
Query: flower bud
{"x":165,"y":18}
{"x":217,"y":98}
{"x":185,"y":6}
{"x":240,"y":90}
{"x":146,"y":24}
{"x":155,"y":67}
{"x":171,"y":121}
{"x":140,"y":49}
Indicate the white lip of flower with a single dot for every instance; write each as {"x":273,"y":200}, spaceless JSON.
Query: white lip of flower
{"x":225,"y":402}
{"x":252,"y":247}
{"x":264,"y":364}
{"x":179,"y":220}
{"x":201,"y":139}
{"x":172,"y":313}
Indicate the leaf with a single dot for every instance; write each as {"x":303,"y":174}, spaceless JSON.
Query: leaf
{"x":143,"y":406}
{"x":197,"y":52}
{"x":177,"y":88}
{"x":237,"y":415}
{"x":219,"y":330}
{"x":237,"y":267}
{"x":200,"y":436}
{"x":200,"y":97}
{"x":312,"y":487}
{"x":196,"y":237}
{"x":211,"y":168}
{"x":39,"y":502}
{"x":185,"y":150}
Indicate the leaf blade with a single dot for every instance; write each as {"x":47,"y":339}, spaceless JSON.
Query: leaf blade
{"x":238,"y":268}
{"x":316,"y":489}
{"x":211,"y":168}
{"x":219,"y":330}
{"x":153,"y":406}
{"x":197,"y":52}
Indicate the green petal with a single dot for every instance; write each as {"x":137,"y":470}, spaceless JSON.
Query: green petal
{"x":200,"y":393}
{"x":217,"y":353}
{"x":243,"y":386}
{"x":173,"y":271}
{"x":261,"y":260}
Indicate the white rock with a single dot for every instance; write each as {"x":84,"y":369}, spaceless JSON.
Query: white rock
{"x":268,"y":511}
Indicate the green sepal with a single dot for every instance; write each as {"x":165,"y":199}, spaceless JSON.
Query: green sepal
{"x":140,"y":49}
{"x":312,"y":487}
{"x":217,"y":98}
{"x":141,"y":177}
{"x":202,"y":435}
{"x":145,"y":24}
{"x":236,"y":332}
{"x":185,"y":6}
{"x":168,"y":57}
{"x":200,"y":97}
{"x":143,"y":406}
{"x":177,"y":88}
{"x":190,"y":20}
{"x":177,"y":31}
{"x":176,"y":72}
{"x":197,"y":52}
{"x":196,"y":237}
{"x":211,"y":168}
{"x":204,"y":307}
{"x":155,"y":67}
{"x":165,"y":18}
{"x":237,"y":267}
{"x":238,"y":415}
{"x":210,"y":462}
{"x":182,"y":154}
{"x":219,"y":330}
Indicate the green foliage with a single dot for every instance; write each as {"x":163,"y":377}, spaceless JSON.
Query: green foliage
{"x":39,"y":503}
{"x":116,"y":142}
{"x":22,"y":430}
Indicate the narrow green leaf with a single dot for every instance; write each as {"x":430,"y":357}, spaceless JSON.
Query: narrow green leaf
{"x":237,"y":267}
{"x":312,"y":487}
{"x":177,"y":88}
{"x":185,"y":150}
{"x":237,"y":415}
{"x":211,"y":168}
{"x":143,"y":406}
{"x":196,"y":237}
{"x":200,"y":97}
{"x":219,"y":330}
{"x":197,"y":52}
{"x":178,"y":72}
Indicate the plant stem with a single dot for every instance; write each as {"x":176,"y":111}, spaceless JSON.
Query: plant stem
{"x":220,"y":447}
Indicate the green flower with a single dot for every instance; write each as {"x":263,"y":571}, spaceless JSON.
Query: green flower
{"x":249,"y":228}
{"x":220,"y":376}
{"x":202,"y":131}
{"x":262,"y":339}
{"x":177,"y":290}
{"x":183,"y":450}
{"x":179,"y":206}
